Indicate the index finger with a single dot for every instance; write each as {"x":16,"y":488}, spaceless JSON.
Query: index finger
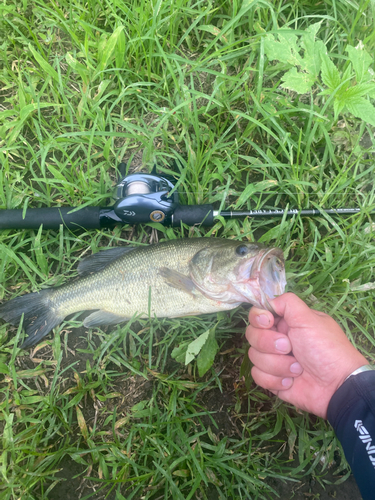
{"x":268,"y":341}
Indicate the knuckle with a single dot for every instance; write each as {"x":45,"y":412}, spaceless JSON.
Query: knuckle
{"x":254,"y":336}
{"x":265,"y":343}
{"x":267,"y":381}
{"x":252,"y":355}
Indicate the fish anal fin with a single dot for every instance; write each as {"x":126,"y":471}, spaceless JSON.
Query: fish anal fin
{"x":99,"y":318}
{"x":100,"y":260}
{"x":177,"y":280}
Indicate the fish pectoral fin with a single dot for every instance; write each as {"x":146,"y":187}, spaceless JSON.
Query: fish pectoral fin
{"x":177,"y":280}
{"x":100,"y":260}
{"x":101,"y":317}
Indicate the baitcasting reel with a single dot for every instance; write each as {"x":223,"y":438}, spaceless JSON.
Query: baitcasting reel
{"x":142,"y":197}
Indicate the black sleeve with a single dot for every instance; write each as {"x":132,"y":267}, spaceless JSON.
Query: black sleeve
{"x":351,"y":412}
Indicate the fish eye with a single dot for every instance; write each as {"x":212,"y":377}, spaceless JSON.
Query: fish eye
{"x":242,"y":250}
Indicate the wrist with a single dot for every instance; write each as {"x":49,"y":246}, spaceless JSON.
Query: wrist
{"x":356,"y":361}
{"x":361,"y":369}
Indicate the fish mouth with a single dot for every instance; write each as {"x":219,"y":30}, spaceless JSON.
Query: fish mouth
{"x":263,"y":279}
{"x":271,"y":269}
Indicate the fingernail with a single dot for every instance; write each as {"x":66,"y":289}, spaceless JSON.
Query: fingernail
{"x":282,"y":345}
{"x":286,"y":382}
{"x":263,"y":320}
{"x":295,"y":368}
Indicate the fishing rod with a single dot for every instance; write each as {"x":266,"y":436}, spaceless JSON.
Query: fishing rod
{"x":141,"y":198}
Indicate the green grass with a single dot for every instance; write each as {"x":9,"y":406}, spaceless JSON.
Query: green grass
{"x":87,"y":85}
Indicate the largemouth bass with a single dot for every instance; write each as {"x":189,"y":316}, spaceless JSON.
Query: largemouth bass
{"x":170,"y":279}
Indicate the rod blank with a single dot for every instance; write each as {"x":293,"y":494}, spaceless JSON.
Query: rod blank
{"x":280,"y":213}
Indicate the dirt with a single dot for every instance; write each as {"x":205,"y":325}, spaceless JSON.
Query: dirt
{"x":310,"y":489}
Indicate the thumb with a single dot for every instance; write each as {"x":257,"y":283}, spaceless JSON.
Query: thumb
{"x":260,"y":318}
{"x":292,"y":308}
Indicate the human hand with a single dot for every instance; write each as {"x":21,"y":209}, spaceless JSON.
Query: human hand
{"x":322,"y":354}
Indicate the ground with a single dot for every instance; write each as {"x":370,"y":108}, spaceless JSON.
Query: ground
{"x":76,"y":485}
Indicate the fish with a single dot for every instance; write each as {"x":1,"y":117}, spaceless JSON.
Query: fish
{"x":181,"y":277}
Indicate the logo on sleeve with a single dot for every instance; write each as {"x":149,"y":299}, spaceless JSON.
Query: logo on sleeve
{"x":366,"y":439}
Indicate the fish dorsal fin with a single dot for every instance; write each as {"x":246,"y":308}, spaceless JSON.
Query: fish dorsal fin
{"x":100,"y":317}
{"x":100,"y":260}
{"x":177,"y":280}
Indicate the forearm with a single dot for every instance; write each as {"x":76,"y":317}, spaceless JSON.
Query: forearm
{"x":351,"y":413}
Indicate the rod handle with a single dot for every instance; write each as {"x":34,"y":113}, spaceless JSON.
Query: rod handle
{"x":51,"y":218}
{"x":193,"y":214}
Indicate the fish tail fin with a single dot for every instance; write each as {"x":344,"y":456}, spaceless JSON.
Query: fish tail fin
{"x":40,"y":315}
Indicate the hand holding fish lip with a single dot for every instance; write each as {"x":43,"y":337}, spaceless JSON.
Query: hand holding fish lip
{"x":322,"y":355}
{"x":206,"y":274}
